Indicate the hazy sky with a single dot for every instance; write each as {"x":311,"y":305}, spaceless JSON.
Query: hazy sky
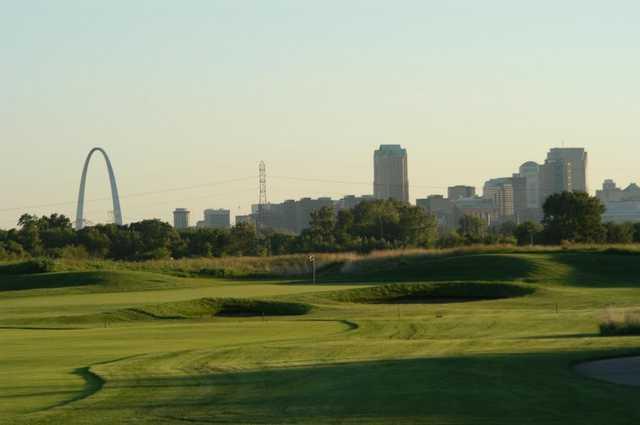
{"x":188,"y":93}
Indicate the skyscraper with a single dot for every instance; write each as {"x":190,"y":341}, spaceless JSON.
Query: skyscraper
{"x":564,"y":170}
{"x":556,"y":176}
{"x":181,"y":218}
{"x":500,"y":191}
{"x":390,"y":173}
{"x":577,"y":158}
{"x":531,"y":172}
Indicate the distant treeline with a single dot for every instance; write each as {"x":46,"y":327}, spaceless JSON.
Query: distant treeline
{"x":371,"y":225}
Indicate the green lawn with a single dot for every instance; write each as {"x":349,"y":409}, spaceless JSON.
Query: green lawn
{"x":364,"y":354}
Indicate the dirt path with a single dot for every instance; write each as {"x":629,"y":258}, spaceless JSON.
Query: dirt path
{"x":625,"y":370}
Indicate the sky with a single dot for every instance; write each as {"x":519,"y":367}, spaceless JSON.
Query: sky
{"x":188,"y":96}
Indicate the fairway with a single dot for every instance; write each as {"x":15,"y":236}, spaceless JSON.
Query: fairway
{"x":461,"y":339}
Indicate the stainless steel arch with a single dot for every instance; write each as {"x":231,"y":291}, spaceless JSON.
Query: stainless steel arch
{"x":117,"y":212}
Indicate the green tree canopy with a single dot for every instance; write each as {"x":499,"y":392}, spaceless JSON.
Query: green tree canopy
{"x":573,"y":217}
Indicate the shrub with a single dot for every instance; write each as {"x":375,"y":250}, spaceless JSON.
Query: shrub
{"x":35,"y":265}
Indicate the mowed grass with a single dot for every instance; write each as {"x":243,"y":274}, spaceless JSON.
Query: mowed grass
{"x":421,"y":352}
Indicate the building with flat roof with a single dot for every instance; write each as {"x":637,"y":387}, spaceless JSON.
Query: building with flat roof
{"x":621,"y":205}
{"x":577,"y":158}
{"x":500,"y":191}
{"x":390,"y":175}
{"x":216,"y":219}
{"x":181,"y":218}
{"x":443,"y":209}
{"x":460,"y":191}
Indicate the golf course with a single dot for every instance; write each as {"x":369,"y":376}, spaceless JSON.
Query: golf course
{"x":470,"y":337}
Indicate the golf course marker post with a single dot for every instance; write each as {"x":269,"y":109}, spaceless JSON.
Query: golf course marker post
{"x":312,"y":260}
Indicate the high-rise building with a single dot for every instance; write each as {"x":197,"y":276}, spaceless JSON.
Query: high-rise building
{"x":216,"y":219}
{"x":457,"y":192}
{"x":577,"y":157}
{"x":181,"y":218}
{"x":520,"y":210}
{"x":500,"y":190}
{"x":390,"y":173}
{"x":530,"y":171}
{"x":556,"y":176}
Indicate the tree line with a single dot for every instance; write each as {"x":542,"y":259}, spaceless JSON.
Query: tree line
{"x":371,"y":225}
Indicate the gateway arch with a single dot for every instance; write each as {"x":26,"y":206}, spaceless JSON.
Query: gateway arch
{"x":117,"y":212}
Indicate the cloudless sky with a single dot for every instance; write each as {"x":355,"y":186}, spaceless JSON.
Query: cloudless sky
{"x":197,"y":92}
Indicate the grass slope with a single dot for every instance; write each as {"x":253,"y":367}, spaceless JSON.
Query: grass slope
{"x":357,"y":357}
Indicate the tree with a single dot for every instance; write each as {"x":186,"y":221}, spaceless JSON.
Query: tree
{"x":29,"y":235}
{"x":94,"y":241}
{"x":636,"y":232}
{"x":619,"y":233}
{"x":416,"y":228}
{"x":243,"y":240}
{"x":157,"y":238}
{"x":472,"y":228}
{"x":528,"y":233}
{"x":320,"y":233}
{"x":573,"y":217}
{"x":450,"y":239}
{"x":344,"y":230}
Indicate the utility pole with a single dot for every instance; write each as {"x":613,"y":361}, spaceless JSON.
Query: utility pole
{"x":262,"y":196}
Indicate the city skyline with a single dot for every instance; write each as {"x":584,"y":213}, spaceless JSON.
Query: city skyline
{"x":182,"y":97}
{"x":169,"y":216}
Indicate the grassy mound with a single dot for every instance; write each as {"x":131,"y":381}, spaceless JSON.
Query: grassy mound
{"x":205,"y":307}
{"x":91,"y":281}
{"x":432,"y":292}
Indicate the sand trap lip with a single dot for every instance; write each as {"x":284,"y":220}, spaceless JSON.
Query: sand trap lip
{"x":623,"y":370}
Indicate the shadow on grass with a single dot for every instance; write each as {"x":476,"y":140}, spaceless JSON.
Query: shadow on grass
{"x":535,"y":388}
{"x":563,"y":336}
{"x":93,"y":384}
{"x":50,"y":280}
{"x":485,"y":267}
{"x":601,"y":270}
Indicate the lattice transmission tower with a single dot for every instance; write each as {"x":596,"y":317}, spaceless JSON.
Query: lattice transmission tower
{"x":262,"y":197}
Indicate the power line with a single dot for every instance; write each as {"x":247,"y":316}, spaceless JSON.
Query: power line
{"x":131,"y":195}
{"x":306,"y":179}
{"x":211,"y":184}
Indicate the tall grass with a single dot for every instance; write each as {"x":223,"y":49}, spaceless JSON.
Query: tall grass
{"x":295,"y":265}
{"x":620,"y":323}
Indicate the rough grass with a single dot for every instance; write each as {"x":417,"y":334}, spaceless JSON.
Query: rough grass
{"x":332,"y":264}
{"x":621,"y":323}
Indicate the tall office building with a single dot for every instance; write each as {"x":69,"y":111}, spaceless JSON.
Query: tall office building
{"x":457,"y":192}
{"x":530,"y":171}
{"x":556,"y":176}
{"x":500,"y":191}
{"x":577,"y":160}
{"x":390,"y":173}
{"x":181,"y":218}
